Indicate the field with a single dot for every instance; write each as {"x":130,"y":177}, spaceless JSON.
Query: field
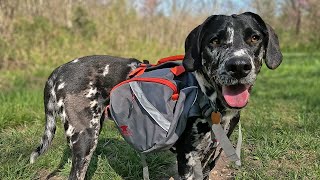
{"x":280,"y":126}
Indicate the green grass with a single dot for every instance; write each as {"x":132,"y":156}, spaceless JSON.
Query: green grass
{"x":280,"y":124}
{"x":281,"y":129}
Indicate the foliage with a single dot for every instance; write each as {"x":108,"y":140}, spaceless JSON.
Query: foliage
{"x":83,"y":24}
{"x":50,"y":32}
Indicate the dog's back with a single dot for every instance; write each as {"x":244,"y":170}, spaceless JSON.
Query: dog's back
{"x":78,"y":92}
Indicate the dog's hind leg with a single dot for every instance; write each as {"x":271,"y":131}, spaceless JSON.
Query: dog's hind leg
{"x":83,"y":146}
{"x":82,"y":128}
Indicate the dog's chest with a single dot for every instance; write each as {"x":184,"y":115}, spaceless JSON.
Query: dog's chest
{"x":202,"y":137}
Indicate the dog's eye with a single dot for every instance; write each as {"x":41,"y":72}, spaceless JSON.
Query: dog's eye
{"x":255,"y":39}
{"x":215,"y":42}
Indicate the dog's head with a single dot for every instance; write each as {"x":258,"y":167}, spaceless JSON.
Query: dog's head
{"x":226,"y":53}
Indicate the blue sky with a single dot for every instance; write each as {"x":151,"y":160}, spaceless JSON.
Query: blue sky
{"x":208,"y":6}
{"x":202,"y":7}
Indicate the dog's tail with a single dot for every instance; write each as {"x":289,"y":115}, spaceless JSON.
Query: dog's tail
{"x":50,"y":104}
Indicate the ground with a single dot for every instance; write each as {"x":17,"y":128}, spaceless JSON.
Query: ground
{"x":223,"y":170}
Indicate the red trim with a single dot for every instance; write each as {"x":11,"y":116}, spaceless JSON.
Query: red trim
{"x":175,"y":97}
{"x":155,"y":80}
{"x":177,"y":70}
{"x":171,"y":58}
{"x":137,"y":72}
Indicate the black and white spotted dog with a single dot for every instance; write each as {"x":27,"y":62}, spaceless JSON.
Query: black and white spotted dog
{"x":225,"y":53}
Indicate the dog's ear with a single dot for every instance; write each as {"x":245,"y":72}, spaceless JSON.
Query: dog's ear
{"x":272,"y":55}
{"x":192,"y":59}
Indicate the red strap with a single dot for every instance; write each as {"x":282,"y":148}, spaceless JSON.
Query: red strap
{"x":137,"y":72}
{"x":177,"y":70}
{"x":171,"y":58}
{"x":150,"y":79}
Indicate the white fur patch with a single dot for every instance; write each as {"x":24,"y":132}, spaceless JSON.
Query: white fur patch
{"x":70,"y":131}
{"x":61,"y":86}
{"x":53,"y":93}
{"x":33,"y":157}
{"x":240,"y":52}
{"x":230,"y":113}
{"x":93,"y":103}
{"x":190,"y":158}
{"x":75,"y":61}
{"x":91,"y":92}
{"x":106,"y":70}
{"x":94,"y":122}
{"x":205,"y":142}
{"x":50,"y":82}
{"x":49,"y":128}
{"x":195,"y":130}
{"x":133,"y":65}
{"x":60,"y":103}
{"x":50,"y":106}
{"x":230,"y":34}
{"x":202,"y":82}
{"x":213,"y":97}
{"x":63,"y":116}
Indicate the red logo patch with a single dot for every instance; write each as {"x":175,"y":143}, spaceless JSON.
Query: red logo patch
{"x":125,"y":131}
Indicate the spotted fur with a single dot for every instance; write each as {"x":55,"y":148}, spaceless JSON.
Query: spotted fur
{"x":78,"y":91}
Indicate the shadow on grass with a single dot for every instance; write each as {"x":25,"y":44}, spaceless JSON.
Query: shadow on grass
{"x":63,"y":161}
{"x":118,"y":160}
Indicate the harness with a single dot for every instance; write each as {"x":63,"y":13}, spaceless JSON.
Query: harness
{"x":206,"y":109}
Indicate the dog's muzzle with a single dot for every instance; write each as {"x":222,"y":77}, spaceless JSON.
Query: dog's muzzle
{"x":238,"y":67}
{"x":237,"y":96}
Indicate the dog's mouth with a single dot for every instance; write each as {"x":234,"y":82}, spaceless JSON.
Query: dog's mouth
{"x":236,"y":96}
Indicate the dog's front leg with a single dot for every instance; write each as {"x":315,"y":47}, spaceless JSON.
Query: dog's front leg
{"x":189,"y":166}
{"x":188,"y":155}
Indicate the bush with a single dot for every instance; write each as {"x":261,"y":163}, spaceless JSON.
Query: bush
{"x":82,"y":24}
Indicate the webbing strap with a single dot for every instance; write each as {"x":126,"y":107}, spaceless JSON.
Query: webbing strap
{"x":231,"y":153}
{"x":239,"y":144}
{"x":145,"y":167}
{"x":224,"y":142}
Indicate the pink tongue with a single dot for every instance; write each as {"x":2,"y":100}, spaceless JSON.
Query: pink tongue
{"x":236,"y":96}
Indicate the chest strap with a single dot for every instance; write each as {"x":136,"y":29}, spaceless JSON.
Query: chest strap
{"x":145,"y":170}
{"x":221,"y":137}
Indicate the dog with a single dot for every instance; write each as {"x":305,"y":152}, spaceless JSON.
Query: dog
{"x":225,"y":53}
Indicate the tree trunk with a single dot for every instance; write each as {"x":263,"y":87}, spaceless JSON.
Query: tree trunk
{"x":298,"y":22}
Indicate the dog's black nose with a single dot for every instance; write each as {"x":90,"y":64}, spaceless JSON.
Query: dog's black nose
{"x":238,"y":67}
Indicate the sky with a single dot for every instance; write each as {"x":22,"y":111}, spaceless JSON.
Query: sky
{"x":207,"y":6}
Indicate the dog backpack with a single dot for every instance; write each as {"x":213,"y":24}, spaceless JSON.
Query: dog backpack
{"x":152,"y":107}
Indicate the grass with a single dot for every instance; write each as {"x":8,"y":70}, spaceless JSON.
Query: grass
{"x":281,"y":132}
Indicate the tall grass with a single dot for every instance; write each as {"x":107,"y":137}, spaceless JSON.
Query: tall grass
{"x":39,"y":41}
